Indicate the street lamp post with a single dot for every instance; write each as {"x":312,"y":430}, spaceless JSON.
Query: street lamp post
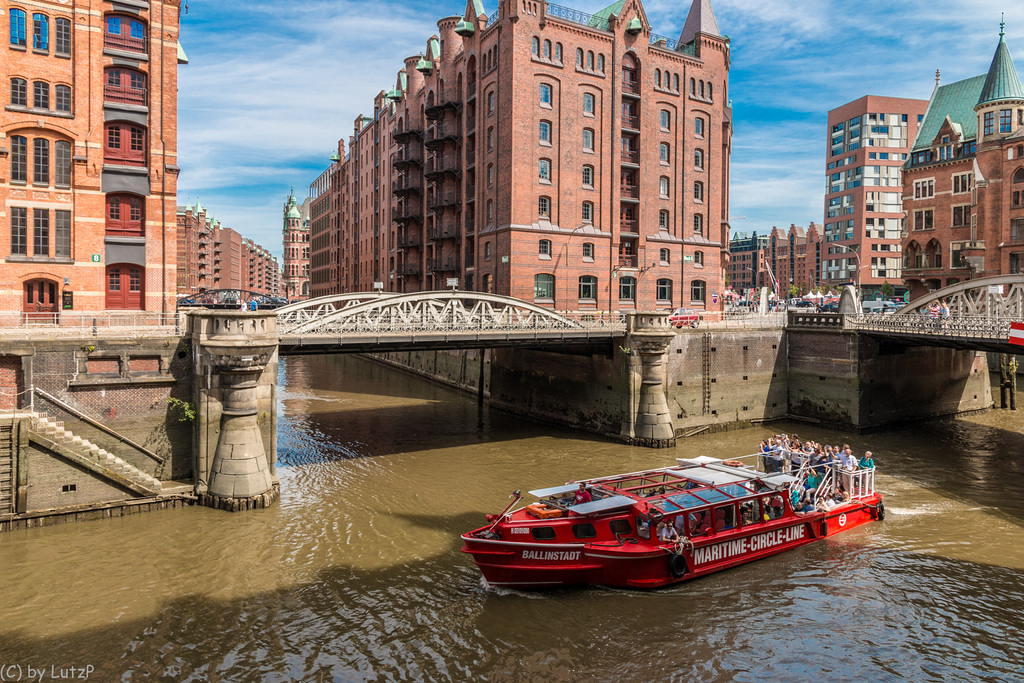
{"x":563,"y":259}
{"x":856,"y":255}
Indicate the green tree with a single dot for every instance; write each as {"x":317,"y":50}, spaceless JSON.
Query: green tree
{"x":888,"y":290}
{"x":794,"y":291}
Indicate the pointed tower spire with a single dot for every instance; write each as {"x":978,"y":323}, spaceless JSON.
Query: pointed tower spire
{"x":1002,"y":82}
{"x":700,"y":19}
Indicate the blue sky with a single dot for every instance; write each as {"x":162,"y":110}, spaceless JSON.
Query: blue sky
{"x":271,"y":89}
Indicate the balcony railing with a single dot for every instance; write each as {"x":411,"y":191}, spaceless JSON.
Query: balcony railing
{"x":470,"y":222}
{"x":406,"y":213}
{"x":629,"y":225}
{"x":445,"y":231}
{"x":631,"y":87}
{"x":442,"y":199}
{"x":447,"y":98}
{"x":577,"y":17}
{"x":127,"y":43}
{"x":632,"y":122}
{"x":407,"y":185}
{"x":124,"y":95}
{"x":407,"y":269}
{"x":407,"y":241}
{"x":627,"y":261}
{"x":631,"y":156}
{"x":631,"y":191}
{"x":441,"y":264}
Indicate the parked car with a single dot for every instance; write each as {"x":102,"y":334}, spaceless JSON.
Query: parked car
{"x":803,"y":303}
{"x":684,"y":316}
{"x":831,"y":307}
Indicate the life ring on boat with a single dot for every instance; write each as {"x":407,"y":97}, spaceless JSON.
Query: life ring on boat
{"x":732,"y":463}
{"x":880,"y":511}
{"x":655,"y":514}
{"x":677,"y":566}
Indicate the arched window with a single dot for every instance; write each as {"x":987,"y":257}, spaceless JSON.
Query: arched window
{"x":547,"y":49}
{"x":535,"y":46}
{"x":627,"y":288}
{"x":490,"y":211}
{"x":543,"y":286}
{"x":588,"y":251}
{"x":698,"y":291}
{"x":558,"y":52}
{"x":664,"y":289}
{"x":588,"y":103}
{"x":18,"y":27}
{"x":545,"y":93}
{"x":544,"y":131}
{"x":590,"y":60}
{"x":664,"y":152}
{"x":579,"y":57}
{"x":124,"y":85}
{"x":124,"y":144}
{"x":698,"y":191}
{"x":1018,"y":176}
{"x":544,"y":207}
{"x":710,"y":96}
{"x":666,"y":119}
{"x":124,"y":33}
{"x":675,"y":82}
{"x":698,"y":258}
{"x":600,"y":63}
{"x":19,"y":158}
{"x":588,"y":287}
{"x":544,"y":248}
{"x":19,"y":92}
{"x":41,"y":95}
{"x":663,"y":255}
{"x":544,"y":170}
{"x":588,"y":139}
{"x":700,"y":88}
{"x":698,"y":224}
{"x":125,"y":215}
{"x":657,"y":77}
{"x":40,"y":161}
{"x":588,"y":176}
{"x":487,"y":251}
{"x":698,"y":158}
{"x":62,"y":164}
{"x":62,"y":98}
{"x":40,"y":32}
{"x":62,"y":42}
{"x":663,"y":218}
{"x":587,"y":212}
{"x":698,"y":127}
{"x":663,"y":186}
{"x":693,"y":87}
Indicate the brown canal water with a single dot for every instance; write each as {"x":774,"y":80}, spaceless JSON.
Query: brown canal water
{"x":357,"y":573}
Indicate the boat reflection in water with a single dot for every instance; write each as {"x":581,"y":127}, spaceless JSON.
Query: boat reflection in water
{"x":657,"y":527}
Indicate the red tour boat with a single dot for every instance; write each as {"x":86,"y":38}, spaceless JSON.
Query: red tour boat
{"x":662,"y":526}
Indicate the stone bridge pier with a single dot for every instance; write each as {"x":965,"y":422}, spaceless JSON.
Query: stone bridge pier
{"x":235,"y":360}
{"x":647,"y":420}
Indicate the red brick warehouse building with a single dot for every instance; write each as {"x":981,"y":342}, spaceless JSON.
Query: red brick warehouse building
{"x":90,"y":144}
{"x":964,"y":182}
{"x":579,"y":161}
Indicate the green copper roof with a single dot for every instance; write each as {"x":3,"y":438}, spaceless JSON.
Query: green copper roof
{"x":182,"y":57}
{"x":464,"y":28}
{"x":600,"y":19}
{"x":478,"y":7}
{"x":402,"y":77}
{"x":293,"y":212}
{"x":955,"y":100}
{"x":1002,"y":82}
{"x":433,"y":48}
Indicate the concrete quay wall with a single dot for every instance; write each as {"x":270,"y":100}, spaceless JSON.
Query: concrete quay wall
{"x":123,"y":385}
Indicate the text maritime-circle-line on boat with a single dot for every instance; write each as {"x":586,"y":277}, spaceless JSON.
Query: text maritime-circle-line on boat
{"x":661,"y":526}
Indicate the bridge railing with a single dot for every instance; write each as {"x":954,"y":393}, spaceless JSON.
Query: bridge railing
{"x":958,"y":326}
{"x":85,"y":323}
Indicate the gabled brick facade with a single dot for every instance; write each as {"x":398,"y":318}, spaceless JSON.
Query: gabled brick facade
{"x":577,"y":161}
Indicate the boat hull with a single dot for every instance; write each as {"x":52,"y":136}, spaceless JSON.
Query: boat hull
{"x":637,"y":563}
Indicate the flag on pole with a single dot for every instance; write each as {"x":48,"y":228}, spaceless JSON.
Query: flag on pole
{"x":1017,"y":334}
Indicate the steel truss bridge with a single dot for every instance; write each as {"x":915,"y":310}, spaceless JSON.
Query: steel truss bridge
{"x":980,"y":310}
{"x":385,"y":321}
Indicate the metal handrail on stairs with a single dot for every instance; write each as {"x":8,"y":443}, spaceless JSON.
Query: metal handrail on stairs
{"x":103,"y":428}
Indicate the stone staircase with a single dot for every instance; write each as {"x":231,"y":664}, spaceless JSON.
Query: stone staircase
{"x":92,"y":456}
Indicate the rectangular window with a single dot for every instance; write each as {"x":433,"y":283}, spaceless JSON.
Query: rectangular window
{"x":545,"y":131}
{"x":545,"y":93}
{"x":19,"y":230}
{"x":40,"y":232}
{"x":62,"y":37}
{"x":544,"y":170}
{"x":666,"y":119}
{"x":989,"y":122}
{"x":962,"y":183}
{"x":62,"y":233}
{"x":1005,"y":120}
{"x":19,"y":159}
{"x":698,"y":126}
{"x":588,"y":139}
{"x":588,"y":176}
{"x":961,"y":216}
{"x":63,"y":98}
{"x":588,"y":250}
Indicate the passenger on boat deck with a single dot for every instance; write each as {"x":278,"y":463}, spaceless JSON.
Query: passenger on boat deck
{"x":811,"y":484}
{"x":867,"y":462}
{"x":582,"y":495}
{"x":747,"y":512}
{"x":841,"y":496}
{"x":666,"y":532}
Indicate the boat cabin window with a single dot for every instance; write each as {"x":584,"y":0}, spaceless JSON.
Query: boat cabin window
{"x":773,"y":506}
{"x":585,"y":530}
{"x":750,"y":512}
{"x":643,"y":528}
{"x":700,"y":522}
{"x":725,"y":517}
{"x":620,"y":527}
{"x":542,"y":533}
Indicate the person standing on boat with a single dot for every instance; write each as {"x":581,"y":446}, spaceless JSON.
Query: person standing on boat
{"x":582,"y":495}
{"x":667,"y":532}
{"x":867,"y":462}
